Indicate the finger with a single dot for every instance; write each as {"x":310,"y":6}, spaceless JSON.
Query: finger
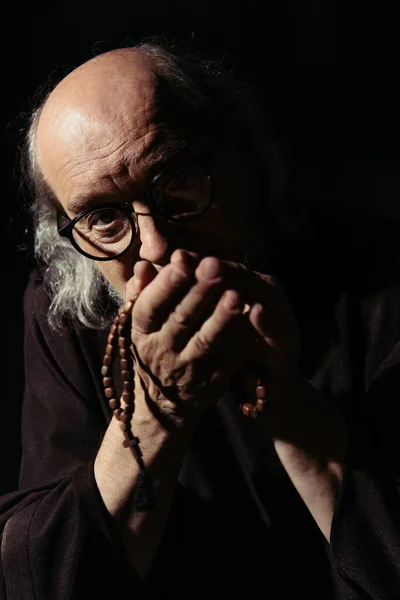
{"x":270,"y":311}
{"x":218,"y":326}
{"x":194,"y":308}
{"x":254,"y":287}
{"x":144,"y":273}
{"x":160,"y":297}
{"x":273,"y":325}
{"x":265,"y":323}
{"x":191,"y":259}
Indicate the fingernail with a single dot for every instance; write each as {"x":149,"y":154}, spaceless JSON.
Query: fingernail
{"x":177,"y":275}
{"x":232,"y":300}
{"x":177,"y":256}
{"x":210,"y":268}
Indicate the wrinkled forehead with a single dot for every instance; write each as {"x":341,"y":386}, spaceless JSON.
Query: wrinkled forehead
{"x":90,"y":111}
{"x":94,"y":146}
{"x":131,"y":136}
{"x":102,"y":84}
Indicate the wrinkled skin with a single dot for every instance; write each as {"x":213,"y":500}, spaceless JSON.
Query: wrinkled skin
{"x":192,"y":333}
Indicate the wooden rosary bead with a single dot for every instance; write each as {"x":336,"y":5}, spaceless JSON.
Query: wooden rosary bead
{"x":124,"y":426}
{"x":109,"y":350}
{"x":260,"y":404}
{"x":125,"y":417}
{"x":129,"y":305}
{"x":124,"y":342}
{"x":128,"y":397}
{"x":123,"y":352}
{"x":112,"y":339}
{"x":126,"y":363}
{"x":105,"y":370}
{"x":117,"y":413}
{"x":129,"y":386}
{"x":129,"y":409}
{"x":127,"y":375}
{"x":245,"y":409}
{"x":114,"y":403}
{"x":107,"y":382}
{"x":123,"y":319}
{"x":107,"y":360}
{"x":109,"y":392}
{"x":260,"y":391}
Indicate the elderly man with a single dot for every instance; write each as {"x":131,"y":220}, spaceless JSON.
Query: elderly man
{"x":263,"y":334}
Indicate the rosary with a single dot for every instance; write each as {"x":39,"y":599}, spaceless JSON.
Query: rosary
{"x":120,"y":337}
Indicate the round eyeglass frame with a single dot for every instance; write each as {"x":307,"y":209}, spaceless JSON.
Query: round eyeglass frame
{"x":67,"y":229}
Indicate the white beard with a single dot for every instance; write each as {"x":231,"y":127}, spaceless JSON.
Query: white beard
{"x":115,"y":296}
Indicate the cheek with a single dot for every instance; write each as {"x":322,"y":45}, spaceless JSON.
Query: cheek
{"x":118,"y":272}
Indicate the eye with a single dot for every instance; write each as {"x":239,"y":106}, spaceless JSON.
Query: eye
{"x":103,"y":218}
{"x":182,"y":193}
{"x":107,"y":224}
{"x":104,"y":232}
{"x":180,"y":181}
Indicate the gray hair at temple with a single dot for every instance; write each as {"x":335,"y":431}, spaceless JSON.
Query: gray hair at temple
{"x":206,"y":95}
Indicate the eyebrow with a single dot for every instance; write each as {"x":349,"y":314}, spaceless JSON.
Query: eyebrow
{"x":81,"y":203}
{"x":157,"y":161}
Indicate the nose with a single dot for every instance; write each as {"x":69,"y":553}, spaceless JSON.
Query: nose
{"x":156,"y":239}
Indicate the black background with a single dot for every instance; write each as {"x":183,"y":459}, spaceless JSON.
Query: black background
{"x":328,"y":73}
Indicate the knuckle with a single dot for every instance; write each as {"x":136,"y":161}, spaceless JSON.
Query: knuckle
{"x":181,"y":317}
{"x":201,"y":343}
{"x":176,"y":376}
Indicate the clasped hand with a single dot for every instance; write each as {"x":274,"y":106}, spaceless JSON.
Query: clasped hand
{"x":199,"y":323}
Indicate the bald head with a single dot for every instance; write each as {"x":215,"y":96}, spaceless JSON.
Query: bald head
{"x":139,"y":105}
{"x":99,"y":86}
{"x":97,"y":110}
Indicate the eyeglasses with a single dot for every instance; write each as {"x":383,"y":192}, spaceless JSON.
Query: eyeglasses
{"x":180,"y":194}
